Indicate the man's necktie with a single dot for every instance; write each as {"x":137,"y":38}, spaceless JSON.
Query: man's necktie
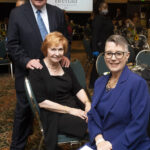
{"x":41,"y":25}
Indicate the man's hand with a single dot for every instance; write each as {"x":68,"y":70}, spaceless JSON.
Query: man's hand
{"x":65,"y":62}
{"x":34,"y":64}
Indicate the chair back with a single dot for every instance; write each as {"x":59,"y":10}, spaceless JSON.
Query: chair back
{"x":79,"y":72}
{"x":143,"y":58}
{"x":35,"y":108}
{"x":33,"y":103}
{"x":101,"y":65}
{"x":142,"y":42}
{"x":87,"y":47}
{"x":2,"y":49}
{"x":132,"y":54}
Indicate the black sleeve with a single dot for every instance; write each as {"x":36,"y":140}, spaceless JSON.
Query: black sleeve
{"x":15,"y":50}
{"x":37,"y":85}
{"x":76,"y":87}
{"x":96,"y":27}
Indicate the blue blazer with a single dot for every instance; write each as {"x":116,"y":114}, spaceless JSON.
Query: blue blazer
{"x":126,"y":120}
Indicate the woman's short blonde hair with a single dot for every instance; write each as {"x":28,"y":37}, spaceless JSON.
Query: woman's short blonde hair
{"x":118,"y":40}
{"x":54,"y":39}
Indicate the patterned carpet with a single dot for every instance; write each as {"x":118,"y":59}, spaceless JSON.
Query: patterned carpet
{"x":7,"y":107}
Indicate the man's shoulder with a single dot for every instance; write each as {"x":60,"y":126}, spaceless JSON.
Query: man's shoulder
{"x":20,"y":8}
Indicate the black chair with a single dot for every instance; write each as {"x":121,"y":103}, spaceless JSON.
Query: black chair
{"x":34,"y":106}
{"x":80,"y":74}
{"x":142,"y":42}
{"x":143,"y":58}
{"x":101,"y":65}
{"x":4,"y":60}
{"x":62,"y":139}
{"x":132,"y":54}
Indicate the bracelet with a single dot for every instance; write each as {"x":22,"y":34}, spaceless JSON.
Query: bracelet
{"x":99,"y":141}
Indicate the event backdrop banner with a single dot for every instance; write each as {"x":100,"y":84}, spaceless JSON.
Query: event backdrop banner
{"x":73,"y":5}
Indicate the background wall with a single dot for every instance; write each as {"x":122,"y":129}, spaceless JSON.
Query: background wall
{"x":5,"y":9}
{"x":116,"y":1}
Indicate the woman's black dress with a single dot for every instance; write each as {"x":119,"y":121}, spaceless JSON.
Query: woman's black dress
{"x":62,"y":90}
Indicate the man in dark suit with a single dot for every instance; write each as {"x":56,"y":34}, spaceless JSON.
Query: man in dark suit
{"x":102,"y":28}
{"x":24,"y":44}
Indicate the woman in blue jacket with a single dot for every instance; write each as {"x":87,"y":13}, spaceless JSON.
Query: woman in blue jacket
{"x":120,"y":109}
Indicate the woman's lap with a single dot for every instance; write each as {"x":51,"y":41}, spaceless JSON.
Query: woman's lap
{"x":72,"y":125}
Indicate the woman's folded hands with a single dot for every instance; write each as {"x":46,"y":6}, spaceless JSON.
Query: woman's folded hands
{"x":104,"y":145}
{"x":78,"y":112}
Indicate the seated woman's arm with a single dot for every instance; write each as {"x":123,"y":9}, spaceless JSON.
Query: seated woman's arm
{"x":95,"y":127}
{"x":39,"y":89}
{"x":101,"y":143}
{"x":79,"y":92}
{"x":95,"y":134}
{"x":55,"y":107}
{"x":82,"y":96}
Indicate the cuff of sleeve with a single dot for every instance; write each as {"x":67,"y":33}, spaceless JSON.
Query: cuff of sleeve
{"x":95,"y":53}
{"x":92,"y":139}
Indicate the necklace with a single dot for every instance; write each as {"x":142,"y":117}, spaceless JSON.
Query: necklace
{"x":111,"y":84}
{"x":54,"y":69}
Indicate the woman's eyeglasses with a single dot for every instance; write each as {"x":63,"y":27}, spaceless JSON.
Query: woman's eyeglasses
{"x":118,"y":55}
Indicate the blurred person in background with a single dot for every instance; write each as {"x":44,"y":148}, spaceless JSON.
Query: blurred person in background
{"x":118,"y":15}
{"x":102,"y":28}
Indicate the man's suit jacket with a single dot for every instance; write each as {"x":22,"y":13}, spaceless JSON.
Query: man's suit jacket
{"x":24,"y":38}
{"x":127,"y":115}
